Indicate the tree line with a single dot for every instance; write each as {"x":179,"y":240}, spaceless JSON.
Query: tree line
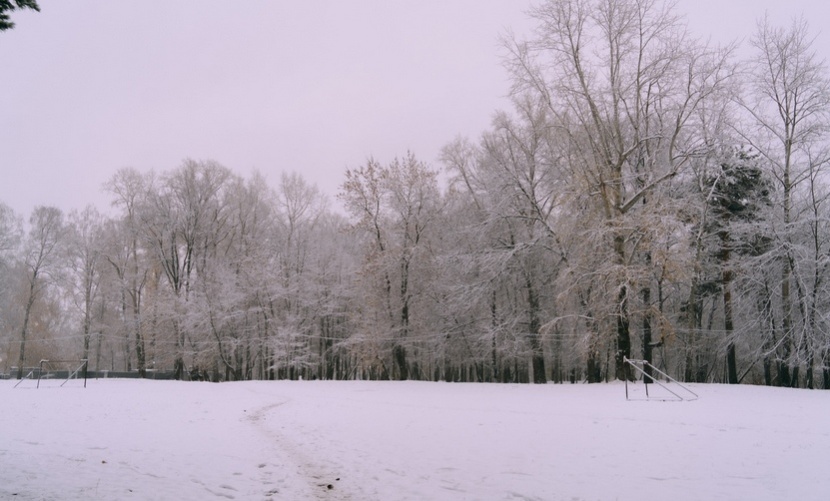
{"x":648,"y":196}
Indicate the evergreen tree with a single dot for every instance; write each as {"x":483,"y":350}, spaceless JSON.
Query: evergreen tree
{"x":7,"y":6}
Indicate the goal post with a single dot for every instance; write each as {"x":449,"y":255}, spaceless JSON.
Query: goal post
{"x":62,"y":369}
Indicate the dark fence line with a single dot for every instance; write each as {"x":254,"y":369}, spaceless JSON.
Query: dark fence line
{"x":90,"y":374}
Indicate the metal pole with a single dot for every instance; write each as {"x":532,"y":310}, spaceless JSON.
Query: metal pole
{"x":40,"y":372}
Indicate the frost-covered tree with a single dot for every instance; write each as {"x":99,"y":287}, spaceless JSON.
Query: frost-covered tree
{"x":623,"y":80}
{"x":85,"y":262}
{"x":182,"y":222}
{"x":788,"y":108}
{"x":513,"y":250}
{"x":394,"y":207}
{"x":124,"y":250}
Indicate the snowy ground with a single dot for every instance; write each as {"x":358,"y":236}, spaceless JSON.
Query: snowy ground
{"x":164,"y":440}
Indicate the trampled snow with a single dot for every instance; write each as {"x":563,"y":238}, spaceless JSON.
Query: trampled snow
{"x":165,"y":440}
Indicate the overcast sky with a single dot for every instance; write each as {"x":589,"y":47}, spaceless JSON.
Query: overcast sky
{"x":316,"y":87}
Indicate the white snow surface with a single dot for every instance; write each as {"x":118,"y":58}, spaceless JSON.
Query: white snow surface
{"x":319,"y":440}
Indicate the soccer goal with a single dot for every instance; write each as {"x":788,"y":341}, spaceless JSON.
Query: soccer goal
{"x":57,"y":373}
{"x":651,"y":375}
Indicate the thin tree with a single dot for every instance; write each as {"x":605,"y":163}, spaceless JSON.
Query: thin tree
{"x":789,"y":111}
{"x":130,"y":190}
{"x":41,"y":259}
{"x":84,"y":253}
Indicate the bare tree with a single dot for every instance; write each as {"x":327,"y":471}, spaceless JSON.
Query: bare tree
{"x":394,"y":207}
{"x":41,"y":249}
{"x":181,"y":222}
{"x":624,"y":81}
{"x":10,"y":236}
{"x":84,"y":255}
{"x":788,"y":105}
{"x":10,"y":231}
{"x":298,"y":209}
{"x":124,"y":253}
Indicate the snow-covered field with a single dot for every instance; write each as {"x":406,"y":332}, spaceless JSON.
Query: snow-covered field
{"x":164,"y":440}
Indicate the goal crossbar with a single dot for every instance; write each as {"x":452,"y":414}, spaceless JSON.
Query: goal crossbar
{"x":640,"y":365}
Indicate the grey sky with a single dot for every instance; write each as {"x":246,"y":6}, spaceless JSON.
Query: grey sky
{"x":315,"y":87}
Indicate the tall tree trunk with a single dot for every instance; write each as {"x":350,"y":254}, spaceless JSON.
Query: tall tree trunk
{"x":784,"y":375}
{"x":647,"y":346}
{"x":728,"y":326}
{"x":647,"y":343}
{"x":401,"y":371}
{"x":765,"y":310}
{"x":399,"y":352}
{"x":178,"y":362}
{"x":534,"y":328}
{"x":87,"y":323}
{"x":139,"y":340}
{"x":494,"y":325}
{"x":25,"y":328}
{"x":825,"y":371}
{"x":623,"y":350}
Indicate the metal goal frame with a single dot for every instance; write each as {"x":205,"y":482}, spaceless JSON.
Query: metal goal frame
{"x":682,"y":394}
{"x":71,"y":374}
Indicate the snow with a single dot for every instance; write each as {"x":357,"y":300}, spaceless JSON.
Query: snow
{"x":160,"y":440}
